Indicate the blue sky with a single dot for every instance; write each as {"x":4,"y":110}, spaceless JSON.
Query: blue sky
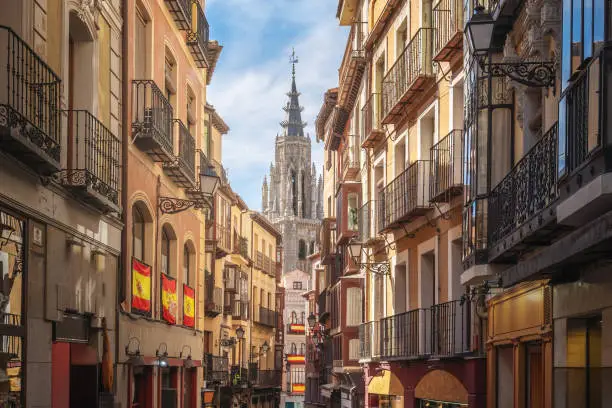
{"x":253,"y":74}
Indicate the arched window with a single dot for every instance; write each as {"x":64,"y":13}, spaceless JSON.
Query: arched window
{"x":311,"y":247}
{"x":187,"y":264}
{"x":302,"y":348}
{"x":293,"y":349}
{"x":302,"y":249}
{"x":167,"y":258}
{"x":293,"y":317}
{"x":138,"y":234}
{"x":302,"y":318}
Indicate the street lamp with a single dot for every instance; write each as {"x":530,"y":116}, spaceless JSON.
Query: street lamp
{"x":312,"y":320}
{"x":240,"y":336}
{"x":479,"y":31}
{"x":162,"y":357}
{"x":265,"y":347}
{"x":355,"y":250}
{"x":208,"y":185}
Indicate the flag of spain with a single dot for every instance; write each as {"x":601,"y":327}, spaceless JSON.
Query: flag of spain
{"x":141,"y":287}
{"x":169,"y":300}
{"x":188,"y":306}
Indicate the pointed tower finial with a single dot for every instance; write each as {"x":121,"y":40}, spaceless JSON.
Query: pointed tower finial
{"x":293,"y":60}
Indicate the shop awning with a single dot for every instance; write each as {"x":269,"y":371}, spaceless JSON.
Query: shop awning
{"x":386,"y":383}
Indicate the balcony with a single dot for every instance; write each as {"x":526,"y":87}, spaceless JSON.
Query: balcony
{"x":328,"y":240}
{"x":152,"y":121}
{"x":373,"y":132}
{"x":241,"y":246}
{"x":30,"y":119}
{"x":522,"y":206}
{"x":296,"y":381}
{"x":239,"y":376}
{"x":445,"y":180}
{"x":220,"y":171}
{"x":94,"y":169}
{"x":265,"y":378}
{"x":240,"y":310}
{"x":347,"y":205}
{"x":197,"y":38}
{"x":351,"y":159}
{"x":180,"y":10}
{"x":410,"y":76}
{"x":368,"y":223}
{"x":406,"y":197}
{"x":213,"y":301}
{"x":203,"y":167}
{"x":181,"y":169}
{"x":353,"y":66}
{"x":369,"y":340}
{"x":224,"y":239}
{"x":448,"y":21}
{"x":265,"y":316}
{"x":405,"y":335}
{"x":216,"y":370}
{"x":474,"y":233}
{"x":451,"y":329}
{"x":231,"y":277}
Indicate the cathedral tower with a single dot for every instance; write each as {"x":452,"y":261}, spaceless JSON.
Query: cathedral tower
{"x":291,"y":196}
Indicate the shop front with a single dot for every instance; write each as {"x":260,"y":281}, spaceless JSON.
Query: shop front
{"x":385,"y":390}
{"x":519,"y":343}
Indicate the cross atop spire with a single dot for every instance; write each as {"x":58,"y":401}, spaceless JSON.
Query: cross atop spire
{"x":293,"y":60}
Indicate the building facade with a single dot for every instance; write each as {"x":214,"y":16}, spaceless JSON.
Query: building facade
{"x":296,"y":283}
{"x":61,"y":134}
{"x":292,"y":198}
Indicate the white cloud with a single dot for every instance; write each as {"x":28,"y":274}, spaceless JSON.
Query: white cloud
{"x":253,"y":76}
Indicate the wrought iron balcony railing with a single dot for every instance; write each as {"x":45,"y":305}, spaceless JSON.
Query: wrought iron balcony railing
{"x":181,"y":169}
{"x":216,"y":369}
{"x":241,"y":245}
{"x":369,"y":340}
{"x":181,"y":11}
{"x":94,"y":168}
{"x":526,"y":191}
{"x":30,"y":119}
{"x":259,"y":260}
{"x":406,"y":335}
{"x":407,"y":196}
{"x":373,"y":132}
{"x":445,"y":180}
{"x":203,"y":167}
{"x":213,"y":303}
{"x":223,"y":237}
{"x":474,"y":233}
{"x":220,"y":170}
{"x":411,"y":74}
{"x":296,"y":380}
{"x":350,"y":158}
{"x":152,"y":121}
{"x":353,"y":66}
{"x":450,"y":333}
{"x":265,"y":316}
{"x":265,"y":378}
{"x":448,"y":21}
{"x":197,"y":38}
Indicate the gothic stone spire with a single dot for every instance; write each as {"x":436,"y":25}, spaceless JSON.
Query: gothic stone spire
{"x":293,"y":124}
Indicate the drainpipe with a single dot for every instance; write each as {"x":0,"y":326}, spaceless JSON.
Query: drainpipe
{"x":124,"y":262}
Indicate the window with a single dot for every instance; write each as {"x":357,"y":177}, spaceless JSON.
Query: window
{"x":138,"y":234}
{"x":312,"y":246}
{"x":302,"y":249}
{"x":297,"y":285}
{"x":141,"y":43}
{"x":293,"y":317}
{"x":166,"y":252}
{"x":353,"y":307}
{"x":170,"y":78}
{"x":191,"y":111}
{"x":188,"y":253}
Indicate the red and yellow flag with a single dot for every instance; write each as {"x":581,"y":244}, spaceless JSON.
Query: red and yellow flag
{"x":298,"y":388}
{"x":169,"y":300}
{"x":188,"y":306}
{"x":295,"y":359}
{"x":141,"y":287}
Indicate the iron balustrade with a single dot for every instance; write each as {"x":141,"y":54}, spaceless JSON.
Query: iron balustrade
{"x":197,"y":39}
{"x":240,"y":310}
{"x":29,"y":98}
{"x":94,"y":156}
{"x":353,"y":65}
{"x":265,"y":378}
{"x":413,"y":63}
{"x":371,"y":114}
{"x":296,"y":380}
{"x":239,"y":376}
{"x":405,"y":335}
{"x":448,"y":21}
{"x":446,"y":166}
{"x":241,"y":245}
{"x":350,"y":157}
{"x":528,"y":189}
{"x":216,"y":369}
{"x":259,"y":260}
{"x":220,"y":170}
{"x":266,"y":317}
{"x":406,"y":196}
{"x":474,"y":233}
{"x":186,"y":150}
{"x":152,"y":120}
{"x":181,"y":11}
{"x":223,"y":236}
{"x":450,"y":328}
{"x":369,"y":340}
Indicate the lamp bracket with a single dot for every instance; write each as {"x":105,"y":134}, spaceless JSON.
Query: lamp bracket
{"x":171,"y":205}
{"x":540,"y":74}
{"x":378,"y":268}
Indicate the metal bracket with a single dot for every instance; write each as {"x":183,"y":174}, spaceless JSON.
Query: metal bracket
{"x":378,"y":268}
{"x":171,"y":205}
{"x":539,"y":74}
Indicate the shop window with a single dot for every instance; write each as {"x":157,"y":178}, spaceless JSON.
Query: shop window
{"x":505,"y":370}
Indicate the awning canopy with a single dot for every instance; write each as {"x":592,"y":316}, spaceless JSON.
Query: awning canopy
{"x":386,"y":383}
